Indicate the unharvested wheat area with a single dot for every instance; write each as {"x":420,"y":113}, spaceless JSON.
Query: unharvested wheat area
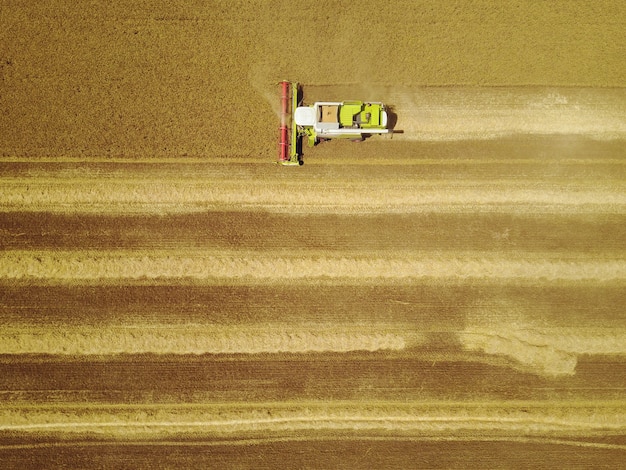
{"x":451,"y":295}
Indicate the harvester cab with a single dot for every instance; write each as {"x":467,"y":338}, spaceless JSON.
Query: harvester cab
{"x":325,"y":120}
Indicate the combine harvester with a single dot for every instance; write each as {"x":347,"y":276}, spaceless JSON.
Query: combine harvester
{"x":324,"y":120}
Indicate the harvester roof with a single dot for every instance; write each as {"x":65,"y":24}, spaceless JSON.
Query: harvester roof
{"x":304,"y":116}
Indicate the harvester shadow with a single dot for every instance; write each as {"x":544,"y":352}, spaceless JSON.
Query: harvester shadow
{"x":392,"y":121}
{"x":299,"y":148}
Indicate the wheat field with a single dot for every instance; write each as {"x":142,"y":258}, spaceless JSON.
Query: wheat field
{"x":450,"y":296}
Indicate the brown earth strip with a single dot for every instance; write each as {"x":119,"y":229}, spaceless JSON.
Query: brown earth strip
{"x":439,"y":372}
{"x":430,"y":307}
{"x":268,"y":231}
{"x":325,"y":452}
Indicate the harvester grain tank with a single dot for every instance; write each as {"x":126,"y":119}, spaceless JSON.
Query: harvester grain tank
{"x":325,"y":120}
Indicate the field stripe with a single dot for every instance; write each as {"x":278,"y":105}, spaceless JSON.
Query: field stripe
{"x":195,"y":339}
{"x":530,"y":348}
{"x":389,"y":417}
{"x":383,"y":196}
{"x":70,"y":266}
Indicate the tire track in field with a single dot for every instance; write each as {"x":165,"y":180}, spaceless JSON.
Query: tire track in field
{"x":458,"y":114}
